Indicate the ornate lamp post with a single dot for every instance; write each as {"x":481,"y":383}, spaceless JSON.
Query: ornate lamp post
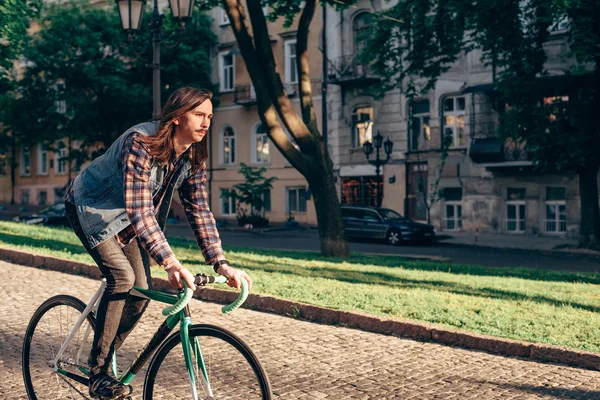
{"x":131,"y":12}
{"x":378,"y":162}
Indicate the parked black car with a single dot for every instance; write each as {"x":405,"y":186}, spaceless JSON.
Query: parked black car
{"x":52,"y":216}
{"x":383,"y":223}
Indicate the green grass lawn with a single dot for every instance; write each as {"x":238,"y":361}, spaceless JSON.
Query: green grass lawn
{"x":555,"y":307}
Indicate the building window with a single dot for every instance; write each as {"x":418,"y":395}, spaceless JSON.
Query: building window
{"x":266,"y":202}
{"x":296,"y":200}
{"x":453,"y":207}
{"x":3,"y":165}
{"x":60,"y":105}
{"x":515,"y":210}
{"x":227,"y":203}
{"x":61,"y":158}
{"x":454,"y":120}
{"x":223,"y":18}
{"x":361,"y":190}
{"x":362,"y":125}
{"x":226,"y":71}
{"x":228,"y":146}
{"x":361,"y":27}
{"x":42,"y":160}
{"x":420,"y":130}
{"x":260,"y":145}
{"x":291,"y":69}
{"x":556,"y":210}
{"x":42,"y":197}
{"x":26,"y":162}
{"x":24,"y":197}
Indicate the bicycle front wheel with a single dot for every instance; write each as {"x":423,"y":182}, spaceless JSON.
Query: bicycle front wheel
{"x":45,"y":376}
{"x":233,"y":370}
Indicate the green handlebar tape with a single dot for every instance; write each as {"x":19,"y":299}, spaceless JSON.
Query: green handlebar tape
{"x":175,"y":308}
{"x":239,"y":301}
{"x":187,"y":296}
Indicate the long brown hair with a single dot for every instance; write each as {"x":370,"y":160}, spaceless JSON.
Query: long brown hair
{"x":161,"y":144}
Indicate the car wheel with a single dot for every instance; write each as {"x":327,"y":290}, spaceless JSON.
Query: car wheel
{"x":394,"y":237}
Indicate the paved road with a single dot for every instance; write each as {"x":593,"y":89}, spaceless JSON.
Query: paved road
{"x":310,"y":361}
{"x":469,"y":255}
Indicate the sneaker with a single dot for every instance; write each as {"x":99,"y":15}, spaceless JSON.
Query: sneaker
{"x":106,"y":387}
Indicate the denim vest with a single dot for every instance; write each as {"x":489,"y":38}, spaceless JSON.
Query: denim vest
{"x":99,"y":190}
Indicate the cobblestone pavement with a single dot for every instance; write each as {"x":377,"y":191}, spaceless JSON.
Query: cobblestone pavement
{"x":305,"y":360}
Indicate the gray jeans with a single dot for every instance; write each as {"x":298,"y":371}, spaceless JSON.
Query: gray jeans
{"x":118,"y":311}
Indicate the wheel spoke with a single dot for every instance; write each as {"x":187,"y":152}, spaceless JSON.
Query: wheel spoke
{"x":48,"y":331}
{"x":230,"y":374}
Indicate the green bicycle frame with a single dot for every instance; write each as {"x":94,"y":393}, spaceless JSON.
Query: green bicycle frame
{"x":182,"y":317}
{"x":178,"y":312}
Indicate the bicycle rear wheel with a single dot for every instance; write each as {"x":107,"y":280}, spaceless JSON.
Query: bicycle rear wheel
{"x":48,"y":329}
{"x":234,"y":372}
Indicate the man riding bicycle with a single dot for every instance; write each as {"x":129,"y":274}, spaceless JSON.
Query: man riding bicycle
{"x":118,"y":208}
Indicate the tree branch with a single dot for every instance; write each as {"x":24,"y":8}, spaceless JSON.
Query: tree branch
{"x":266,"y":60}
{"x":308,"y":109}
{"x":260,"y":79}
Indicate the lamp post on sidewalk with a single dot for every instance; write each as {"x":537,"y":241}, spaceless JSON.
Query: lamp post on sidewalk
{"x":378,"y":162}
{"x":131,"y":12}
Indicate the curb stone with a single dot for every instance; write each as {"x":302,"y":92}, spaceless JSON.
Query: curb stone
{"x":407,"y":329}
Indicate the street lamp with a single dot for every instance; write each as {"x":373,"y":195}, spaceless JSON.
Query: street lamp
{"x":378,"y":162}
{"x":131,"y":12}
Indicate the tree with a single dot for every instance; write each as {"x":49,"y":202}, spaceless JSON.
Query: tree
{"x":433,"y":194}
{"x":310,"y":157}
{"x":85,"y":82}
{"x":416,"y":41}
{"x":251,"y":192}
{"x":15,"y":16}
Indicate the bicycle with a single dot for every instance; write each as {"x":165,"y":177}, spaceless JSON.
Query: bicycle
{"x":215,"y":363}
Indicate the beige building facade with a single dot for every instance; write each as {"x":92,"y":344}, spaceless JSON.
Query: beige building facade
{"x":485,"y":185}
{"x":237,"y":134}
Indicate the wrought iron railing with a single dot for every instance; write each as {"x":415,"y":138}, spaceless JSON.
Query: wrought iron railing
{"x":348,"y":67}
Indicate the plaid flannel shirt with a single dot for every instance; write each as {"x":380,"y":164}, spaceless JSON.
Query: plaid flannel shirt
{"x":141,"y":211}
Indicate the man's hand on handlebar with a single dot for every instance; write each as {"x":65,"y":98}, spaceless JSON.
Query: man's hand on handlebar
{"x":234,"y":276}
{"x":177,"y":272}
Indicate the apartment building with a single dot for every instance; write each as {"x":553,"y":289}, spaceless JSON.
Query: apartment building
{"x":486,"y":185}
{"x":237,"y":133}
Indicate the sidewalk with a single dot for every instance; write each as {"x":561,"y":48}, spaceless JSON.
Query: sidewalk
{"x":508,"y":241}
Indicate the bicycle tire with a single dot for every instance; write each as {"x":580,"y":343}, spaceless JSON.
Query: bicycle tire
{"x":232,"y":379}
{"x":41,"y":337}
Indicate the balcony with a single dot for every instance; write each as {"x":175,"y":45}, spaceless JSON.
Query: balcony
{"x":492,"y":153}
{"x":244,"y":95}
{"x":347,"y":71}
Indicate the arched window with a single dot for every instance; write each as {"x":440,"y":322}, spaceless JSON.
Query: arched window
{"x":360,"y":30}
{"x":260,"y":145}
{"x":362,"y":125}
{"x":228,"y":146}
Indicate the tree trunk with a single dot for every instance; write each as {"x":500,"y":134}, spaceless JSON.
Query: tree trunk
{"x":589,"y":228}
{"x":327,"y":205}
{"x":13,"y":169}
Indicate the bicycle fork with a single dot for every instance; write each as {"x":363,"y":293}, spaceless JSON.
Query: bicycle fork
{"x":191,"y":349}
